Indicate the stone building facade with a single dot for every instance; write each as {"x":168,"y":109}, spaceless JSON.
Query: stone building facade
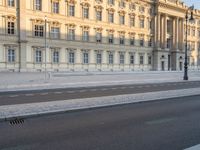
{"x":96,"y":35}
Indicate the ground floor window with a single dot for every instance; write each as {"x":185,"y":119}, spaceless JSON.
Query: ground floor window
{"x":121,"y":58}
{"x":55,"y":56}
{"x":131,"y":59}
{"x":110,"y":58}
{"x":11,"y":55}
{"x":71,"y":57}
{"x":38,"y":56}
{"x":85,"y":58}
{"x":141,"y":59}
{"x":98,"y":59}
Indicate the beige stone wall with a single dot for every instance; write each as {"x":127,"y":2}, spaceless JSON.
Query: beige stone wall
{"x":163,"y":58}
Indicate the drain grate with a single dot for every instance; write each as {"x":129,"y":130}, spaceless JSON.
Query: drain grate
{"x":17,"y":121}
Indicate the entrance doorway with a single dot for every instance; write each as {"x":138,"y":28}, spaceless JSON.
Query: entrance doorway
{"x":163,"y":65}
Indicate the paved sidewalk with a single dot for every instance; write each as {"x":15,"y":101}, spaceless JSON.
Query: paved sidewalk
{"x":34,"y":109}
{"x":31,"y":81}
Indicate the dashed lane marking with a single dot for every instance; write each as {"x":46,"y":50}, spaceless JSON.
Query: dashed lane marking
{"x":58,"y":92}
{"x":70,"y":91}
{"x":13,"y":95}
{"x":44,"y":93}
{"x":29,"y":94}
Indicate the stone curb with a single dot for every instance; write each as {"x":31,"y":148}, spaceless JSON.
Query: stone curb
{"x":8,"y":112}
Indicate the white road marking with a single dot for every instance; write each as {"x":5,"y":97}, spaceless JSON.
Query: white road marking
{"x":196,"y":147}
{"x":58,"y":92}
{"x":13,"y":95}
{"x":29,"y":94}
{"x":70,"y":91}
{"x":44,"y":93}
{"x":113,"y":88}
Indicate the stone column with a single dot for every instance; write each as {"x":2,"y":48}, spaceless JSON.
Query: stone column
{"x":174,"y":34}
{"x":177,"y":33}
{"x":158,"y":41}
{"x":164,"y":32}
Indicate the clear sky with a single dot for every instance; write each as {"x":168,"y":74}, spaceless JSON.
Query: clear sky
{"x":191,"y":2}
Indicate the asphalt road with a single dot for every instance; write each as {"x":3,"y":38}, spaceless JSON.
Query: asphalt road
{"x":172,"y":124}
{"x":9,"y":98}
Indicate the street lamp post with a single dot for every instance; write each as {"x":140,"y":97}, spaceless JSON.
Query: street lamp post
{"x":45,"y":35}
{"x":186,"y":44}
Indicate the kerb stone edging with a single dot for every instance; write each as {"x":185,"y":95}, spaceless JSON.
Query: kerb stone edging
{"x":34,"y":109}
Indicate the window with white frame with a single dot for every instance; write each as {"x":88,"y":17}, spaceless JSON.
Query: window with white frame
{"x":55,"y":32}
{"x":39,"y":30}
{"x":98,"y":37}
{"x":111,"y":17}
{"x":38,"y":4}
{"x":99,"y":15}
{"x":110,"y":58}
{"x":121,"y":58}
{"x":11,"y":3}
{"x":141,"y":23}
{"x":38,"y":56}
{"x":132,"y":21}
{"x":55,"y":56}
{"x":85,"y":58}
{"x":122,"y":3}
{"x":85,"y":35}
{"x":132,"y":60}
{"x":71,"y":57}
{"x":110,"y":38}
{"x":121,"y":19}
{"x":86,"y":12}
{"x":141,"y":59}
{"x":11,"y":55}
{"x":122,"y":40}
{"x":11,"y":27}
{"x":98,"y":58}
{"x":71,"y":34}
{"x":71,"y":10}
{"x":55,"y":7}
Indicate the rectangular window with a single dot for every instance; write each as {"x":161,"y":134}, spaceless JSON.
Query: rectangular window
{"x":55,"y":57}
{"x":11,"y":55}
{"x":98,"y":59}
{"x":111,"y":2}
{"x":11,"y":28}
{"x":71,"y":34}
{"x":55,"y":6}
{"x":110,"y":58}
{"x":122,"y":40}
{"x":85,"y":58}
{"x":55,"y":32}
{"x":86,"y":13}
{"x":71,"y":57}
{"x":122,"y":3}
{"x":141,"y":59}
{"x":39,"y":30}
{"x":131,"y":59}
{"x":85,"y":35}
{"x":121,"y":58}
{"x":98,"y":37}
{"x":168,"y":43}
{"x":38,"y":5}
{"x":141,"y":42}
{"x":141,"y":23}
{"x":71,"y":10}
{"x":99,"y":15}
{"x":38,"y":56}
{"x":150,"y":42}
{"x":132,"y":41}
{"x":11,"y":3}
{"x":110,"y":38}
{"x":110,"y":17}
{"x":149,"y":60}
{"x":132,"y":21}
{"x":121,"y":20}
